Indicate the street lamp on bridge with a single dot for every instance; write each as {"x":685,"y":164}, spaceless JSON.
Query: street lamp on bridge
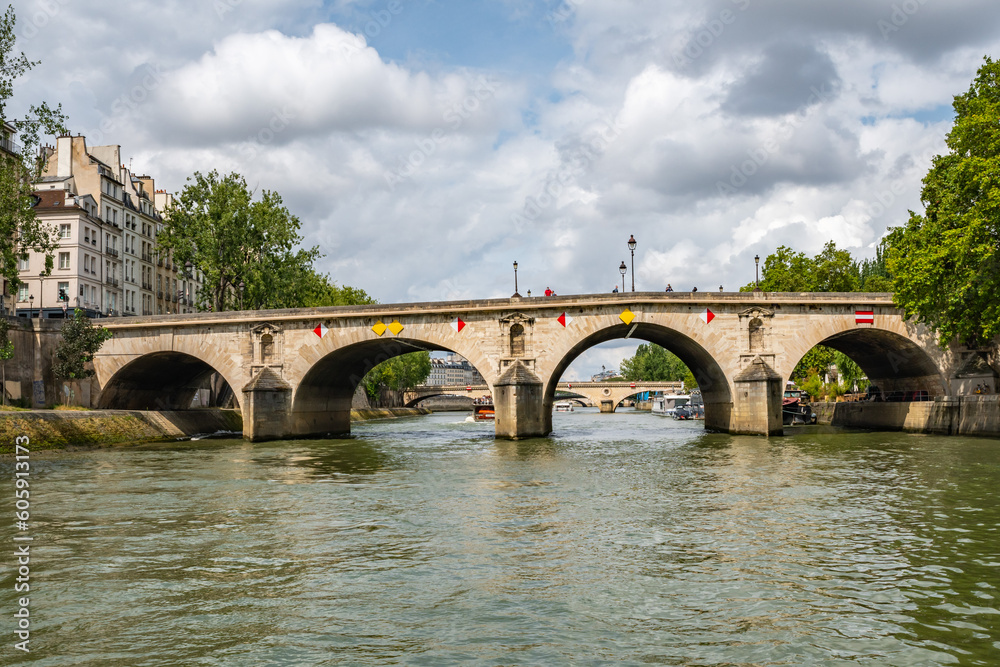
{"x":515,"y":294}
{"x":756,"y":272}
{"x":631,"y":247}
{"x":623,"y":270}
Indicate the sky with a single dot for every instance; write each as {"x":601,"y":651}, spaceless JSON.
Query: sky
{"x":426,"y":145}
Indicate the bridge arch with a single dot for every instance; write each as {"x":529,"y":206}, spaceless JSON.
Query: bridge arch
{"x":890,"y":359}
{"x":712,"y":378}
{"x":321,"y":402}
{"x":162,"y":380}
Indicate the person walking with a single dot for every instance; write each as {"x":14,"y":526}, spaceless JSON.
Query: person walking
{"x":615,"y":290}
{"x":548,"y":292}
{"x":669,"y":288}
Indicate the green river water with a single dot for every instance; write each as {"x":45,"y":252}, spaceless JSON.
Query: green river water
{"x":625,"y":539}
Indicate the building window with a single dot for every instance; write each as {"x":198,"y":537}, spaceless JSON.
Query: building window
{"x":63,"y":292}
{"x":64,"y":260}
{"x":65,"y":231}
{"x":22,"y":293}
{"x":22,"y":263}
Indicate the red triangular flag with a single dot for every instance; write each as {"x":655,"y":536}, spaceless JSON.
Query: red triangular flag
{"x":457,"y":324}
{"x":564,"y":319}
{"x":707,"y":316}
{"x":320,"y":330}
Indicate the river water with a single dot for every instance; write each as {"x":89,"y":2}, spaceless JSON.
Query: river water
{"x":623,"y":539}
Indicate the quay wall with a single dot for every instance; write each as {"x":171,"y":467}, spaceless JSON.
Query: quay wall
{"x":58,"y":429}
{"x":977,"y":415}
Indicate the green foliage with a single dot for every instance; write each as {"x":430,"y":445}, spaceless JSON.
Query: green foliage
{"x":690,"y":382}
{"x":80,"y":342}
{"x":386,"y":383}
{"x":6,"y":344}
{"x":653,"y":363}
{"x":20,"y":231}
{"x":216,"y":224}
{"x":6,"y":352}
{"x":832,"y":270}
{"x":815,"y":361}
{"x":850,"y":373}
{"x":812,"y":385}
{"x":305,"y":288}
{"x":946,"y":262}
{"x":784,"y":271}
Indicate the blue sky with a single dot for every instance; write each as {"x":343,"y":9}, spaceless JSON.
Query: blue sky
{"x":426,"y":151}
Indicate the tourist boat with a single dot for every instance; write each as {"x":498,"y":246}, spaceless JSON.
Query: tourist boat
{"x":483,"y":411}
{"x":795,"y":408}
{"x":564,"y":407}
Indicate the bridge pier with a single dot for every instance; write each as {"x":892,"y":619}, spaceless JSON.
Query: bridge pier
{"x":267,"y":402}
{"x":607,"y":405}
{"x":519,"y":403}
{"x":757,"y":403}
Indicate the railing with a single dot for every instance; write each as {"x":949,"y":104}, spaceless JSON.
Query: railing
{"x":148,"y":286}
{"x":112,"y":251}
{"x":159,"y":294}
{"x":147,"y":258}
{"x":111,"y":281}
{"x":10,"y":146}
{"x":159,"y":262}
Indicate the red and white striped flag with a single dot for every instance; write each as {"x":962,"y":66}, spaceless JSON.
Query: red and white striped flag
{"x":864,"y":317}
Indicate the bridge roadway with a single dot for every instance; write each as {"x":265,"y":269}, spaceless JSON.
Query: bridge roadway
{"x":294,"y":372}
{"x":607,"y":395}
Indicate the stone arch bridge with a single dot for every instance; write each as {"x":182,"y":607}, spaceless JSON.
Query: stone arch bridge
{"x":294,"y":372}
{"x":607,"y":395}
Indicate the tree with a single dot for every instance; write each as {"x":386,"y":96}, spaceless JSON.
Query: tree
{"x":652,"y":363}
{"x":946,"y":262}
{"x":6,"y":352}
{"x":304,"y":287}
{"x":20,"y":230}
{"x":850,"y":373}
{"x":80,"y":342}
{"x":386,"y":383}
{"x":832,"y":270}
{"x":216,"y":225}
{"x":784,"y":271}
{"x":815,"y":361}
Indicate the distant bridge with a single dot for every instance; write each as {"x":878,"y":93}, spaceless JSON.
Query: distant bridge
{"x":608,"y":395}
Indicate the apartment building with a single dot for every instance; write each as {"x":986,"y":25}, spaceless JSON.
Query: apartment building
{"x":453,"y":370}
{"x":107,"y":218}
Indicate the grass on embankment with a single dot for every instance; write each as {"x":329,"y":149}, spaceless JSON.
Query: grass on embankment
{"x":96,"y":431}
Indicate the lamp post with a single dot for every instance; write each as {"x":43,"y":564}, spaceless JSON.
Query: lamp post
{"x":515,"y":282}
{"x":756,"y":272}
{"x":243,"y":287}
{"x":631,"y":247}
{"x":31,"y":305}
{"x":623,"y":270}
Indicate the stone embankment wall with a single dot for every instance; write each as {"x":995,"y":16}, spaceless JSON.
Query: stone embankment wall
{"x":948,"y":415}
{"x":57,"y":429}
